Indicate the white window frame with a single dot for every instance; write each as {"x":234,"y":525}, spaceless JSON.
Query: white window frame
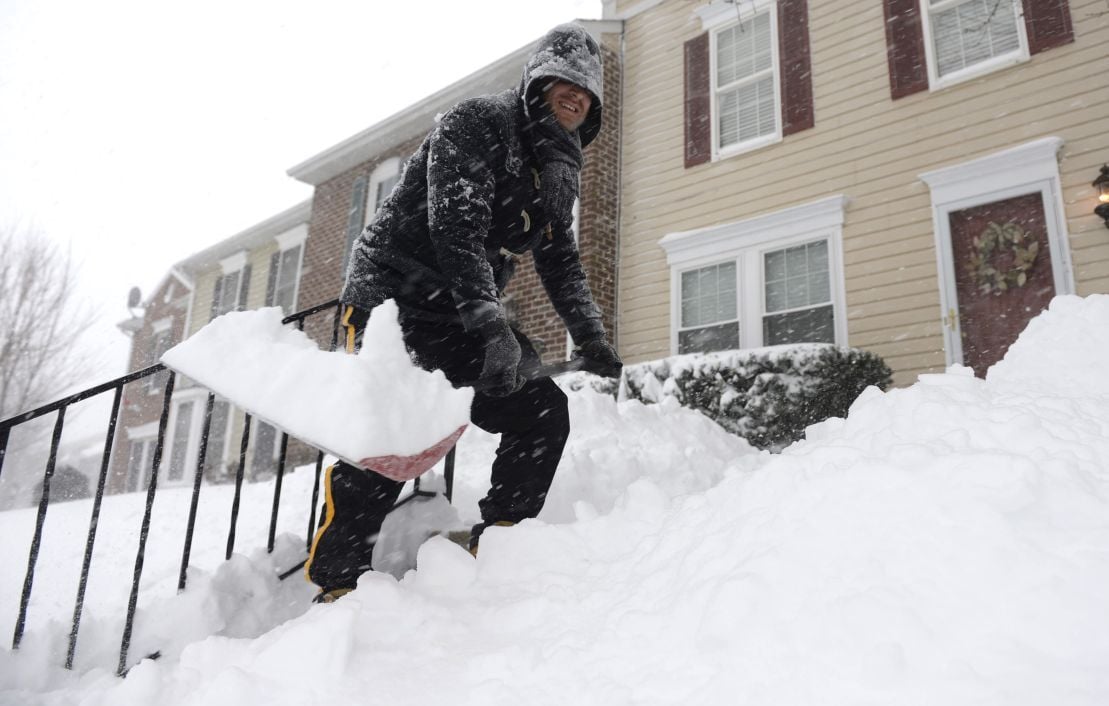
{"x":716,"y":18}
{"x":146,"y":434}
{"x":384,"y":171}
{"x":198,"y":397}
{"x":294,"y":238}
{"x":228,"y":266}
{"x":745,"y":242}
{"x":1033,"y":166}
{"x":937,"y":82}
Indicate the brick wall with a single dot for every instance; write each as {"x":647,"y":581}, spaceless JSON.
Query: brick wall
{"x":325,"y":251}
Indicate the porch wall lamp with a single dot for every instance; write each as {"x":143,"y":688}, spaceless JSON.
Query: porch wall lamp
{"x":1101,"y":184}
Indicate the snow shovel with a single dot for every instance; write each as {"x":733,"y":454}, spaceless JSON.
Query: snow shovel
{"x":405,"y":468}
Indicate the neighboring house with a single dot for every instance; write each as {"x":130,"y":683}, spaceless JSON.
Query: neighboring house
{"x":352,"y":178}
{"x":163,"y":325}
{"x":258,"y":267}
{"x":911,"y":177}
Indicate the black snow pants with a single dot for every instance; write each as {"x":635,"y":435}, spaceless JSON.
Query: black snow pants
{"x":533,"y":423}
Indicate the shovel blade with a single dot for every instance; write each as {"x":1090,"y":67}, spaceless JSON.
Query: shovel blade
{"x":405,"y":468}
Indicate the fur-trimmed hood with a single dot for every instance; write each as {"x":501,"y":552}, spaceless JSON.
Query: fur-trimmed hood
{"x":567,"y":52}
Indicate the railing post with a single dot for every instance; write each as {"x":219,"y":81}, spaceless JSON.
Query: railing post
{"x":238,"y":486}
{"x":36,"y":541}
{"x":79,"y":604}
{"x":144,"y":532}
{"x":315,"y":502}
{"x":5,"y":432}
{"x":197,"y":479}
{"x":448,"y":474}
{"x":277,"y":491}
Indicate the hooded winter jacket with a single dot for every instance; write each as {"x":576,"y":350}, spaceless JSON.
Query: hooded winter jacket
{"x":471,"y":196}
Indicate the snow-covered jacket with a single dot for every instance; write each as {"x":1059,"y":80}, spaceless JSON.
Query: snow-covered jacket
{"x":470,"y":196}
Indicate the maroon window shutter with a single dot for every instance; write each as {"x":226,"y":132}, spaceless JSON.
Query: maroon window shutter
{"x":698,"y":103}
{"x":1048,"y":23}
{"x":793,"y":47}
{"x":905,"y":48}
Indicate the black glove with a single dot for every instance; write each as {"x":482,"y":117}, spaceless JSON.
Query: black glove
{"x":600,"y":358}
{"x":500,"y":375}
{"x":353,"y":327}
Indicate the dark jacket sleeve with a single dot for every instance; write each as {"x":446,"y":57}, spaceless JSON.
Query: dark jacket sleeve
{"x":460,"y":188}
{"x":559,"y":267}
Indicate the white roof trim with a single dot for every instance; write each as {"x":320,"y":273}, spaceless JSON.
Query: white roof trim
{"x":1024,"y":164}
{"x":813,"y":216}
{"x":251,"y":238}
{"x":610,"y":13}
{"x":292,"y":238}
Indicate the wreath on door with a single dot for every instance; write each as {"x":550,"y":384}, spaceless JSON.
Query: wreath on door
{"x":992,"y":276}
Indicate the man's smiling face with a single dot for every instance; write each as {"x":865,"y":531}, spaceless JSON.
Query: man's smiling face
{"x":569,"y":103}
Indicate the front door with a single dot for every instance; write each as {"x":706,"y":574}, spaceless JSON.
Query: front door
{"x":1003,"y":274}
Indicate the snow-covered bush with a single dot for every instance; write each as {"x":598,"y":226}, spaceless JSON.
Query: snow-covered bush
{"x":766,"y":395}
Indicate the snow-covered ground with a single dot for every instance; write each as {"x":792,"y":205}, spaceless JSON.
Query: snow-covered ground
{"x":947,"y":543}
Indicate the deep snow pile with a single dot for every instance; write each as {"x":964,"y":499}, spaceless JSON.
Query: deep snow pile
{"x":279,"y":375}
{"x":945,"y":544}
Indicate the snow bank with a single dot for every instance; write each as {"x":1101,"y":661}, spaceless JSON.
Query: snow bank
{"x":946,"y":543}
{"x":375,"y":404}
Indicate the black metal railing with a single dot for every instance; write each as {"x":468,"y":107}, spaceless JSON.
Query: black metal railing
{"x":116,"y":386}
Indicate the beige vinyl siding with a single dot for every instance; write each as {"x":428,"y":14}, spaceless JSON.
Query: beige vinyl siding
{"x":259,"y":260}
{"x":864,"y":145}
{"x":202,"y":304}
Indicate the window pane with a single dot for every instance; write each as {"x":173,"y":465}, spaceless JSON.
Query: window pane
{"x":288,"y":271}
{"x":972,"y":32}
{"x":808,"y":326}
{"x":708,"y":295}
{"x":265,"y":447}
{"x":136,"y":465}
{"x":711,"y":338}
{"x":180,"y":441}
{"x":229,"y":293}
{"x":384,"y":188}
{"x":217,"y":439}
{"x":743,"y":50}
{"x":747,"y":112}
{"x":797,"y":277}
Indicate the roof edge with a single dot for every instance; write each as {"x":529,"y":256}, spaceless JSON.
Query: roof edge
{"x":418,"y":118}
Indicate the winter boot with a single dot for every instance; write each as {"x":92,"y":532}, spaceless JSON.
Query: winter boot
{"x":475,"y":533}
{"x":325,"y":596}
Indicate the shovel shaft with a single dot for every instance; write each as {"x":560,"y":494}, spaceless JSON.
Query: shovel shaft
{"x":543,"y":371}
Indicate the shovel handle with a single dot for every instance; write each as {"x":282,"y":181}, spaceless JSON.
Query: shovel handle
{"x":543,"y":371}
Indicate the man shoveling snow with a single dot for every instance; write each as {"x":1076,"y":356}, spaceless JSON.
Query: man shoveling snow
{"x":497,"y":177}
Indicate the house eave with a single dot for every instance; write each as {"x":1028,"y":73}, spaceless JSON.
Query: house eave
{"x":417,"y":119}
{"x":248,"y":239}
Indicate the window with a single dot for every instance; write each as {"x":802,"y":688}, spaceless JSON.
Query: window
{"x":384,"y":177}
{"x":797,"y":301}
{"x":968,"y":37}
{"x":140,"y":456}
{"x":938,"y":43}
{"x":179,"y":445}
{"x":744,"y":83}
{"x":769,"y":280}
{"x":709,"y":311}
{"x":215,"y":455}
{"x":747,"y":78}
{"x":284,"y":278}
{"x":232,"y":287}
{"x":356,"y":216}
